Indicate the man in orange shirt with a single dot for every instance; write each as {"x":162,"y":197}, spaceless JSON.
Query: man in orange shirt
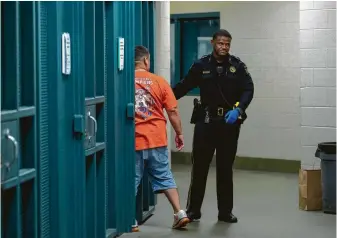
{"x":152,"y":95}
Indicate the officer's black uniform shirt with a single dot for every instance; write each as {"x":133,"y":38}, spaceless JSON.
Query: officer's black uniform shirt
{"x":234,"y":82}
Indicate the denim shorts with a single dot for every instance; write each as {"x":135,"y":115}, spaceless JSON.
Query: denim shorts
{"x":156,"y":163}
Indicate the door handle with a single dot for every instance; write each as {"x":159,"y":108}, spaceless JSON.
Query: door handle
{"x":8,"y":136}
{"x":95,"y":125}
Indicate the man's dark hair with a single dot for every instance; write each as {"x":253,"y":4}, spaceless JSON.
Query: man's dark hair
{"x":223,"y":33}
{"x":141,"y":52}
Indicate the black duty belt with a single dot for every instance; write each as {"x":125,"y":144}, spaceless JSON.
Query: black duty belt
{"x":217,"y":112}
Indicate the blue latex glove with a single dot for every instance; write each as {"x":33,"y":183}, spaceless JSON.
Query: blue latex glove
{"x":232,"y":116}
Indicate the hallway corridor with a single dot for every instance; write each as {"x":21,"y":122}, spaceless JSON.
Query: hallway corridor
{"x":266,"y":205}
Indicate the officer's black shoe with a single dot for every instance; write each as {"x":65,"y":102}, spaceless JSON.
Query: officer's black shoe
{"x":193,"y":216}
{"x":230,"y":218}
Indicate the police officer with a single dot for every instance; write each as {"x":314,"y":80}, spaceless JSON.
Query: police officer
{"x":226,"y":90}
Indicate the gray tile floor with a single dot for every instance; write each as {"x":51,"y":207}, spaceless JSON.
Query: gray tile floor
{"x":265,"y":203}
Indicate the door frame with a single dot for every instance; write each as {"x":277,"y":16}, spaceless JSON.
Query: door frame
{"x":177,"y":19}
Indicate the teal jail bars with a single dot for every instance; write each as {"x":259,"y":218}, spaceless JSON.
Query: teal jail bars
{"x":67,"y":118}
{"x":145,"y":35}
{"x":18,"y":121}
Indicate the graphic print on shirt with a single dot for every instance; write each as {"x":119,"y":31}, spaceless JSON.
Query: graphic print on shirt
{"x":143,"y":99}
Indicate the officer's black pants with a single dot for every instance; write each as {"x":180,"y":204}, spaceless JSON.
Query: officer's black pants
{"x":207,"y":138}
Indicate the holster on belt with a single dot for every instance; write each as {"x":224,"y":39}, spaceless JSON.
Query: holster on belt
{"x":198,"y":112}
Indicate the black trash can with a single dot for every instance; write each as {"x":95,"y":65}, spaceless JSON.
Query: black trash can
{"x":326,"y":151}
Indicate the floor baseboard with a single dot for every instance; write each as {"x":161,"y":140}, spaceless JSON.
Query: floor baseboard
{"x":247,"y":163}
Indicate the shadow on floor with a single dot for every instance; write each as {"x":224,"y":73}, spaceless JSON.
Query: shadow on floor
{"x":265,"y":203}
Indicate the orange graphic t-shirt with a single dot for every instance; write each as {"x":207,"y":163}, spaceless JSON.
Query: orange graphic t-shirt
{"x":152,"y":95}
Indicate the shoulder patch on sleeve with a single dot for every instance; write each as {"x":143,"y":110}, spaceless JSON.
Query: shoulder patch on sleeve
{"x":193,"y":66}
{"x":246,"y":69}
{"x":204,"y":58}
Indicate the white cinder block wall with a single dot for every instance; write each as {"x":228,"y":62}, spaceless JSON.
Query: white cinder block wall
{"x":266,"y":38}
{"x":162,"y":64}
{"x":318,"y":77}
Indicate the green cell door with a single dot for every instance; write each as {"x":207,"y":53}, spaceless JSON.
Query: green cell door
{"x":72,"y":183}
{"x":120,"y":27}
{"x":95,"y":118}
{"x":67,"y":130}
{"x":18,"y":121}
{"x":145,"y":35}
{"x":91,"y":129}
{"x":61,"y":113}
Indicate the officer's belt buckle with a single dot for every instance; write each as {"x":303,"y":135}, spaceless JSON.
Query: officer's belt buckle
{"x":220,"y":111}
